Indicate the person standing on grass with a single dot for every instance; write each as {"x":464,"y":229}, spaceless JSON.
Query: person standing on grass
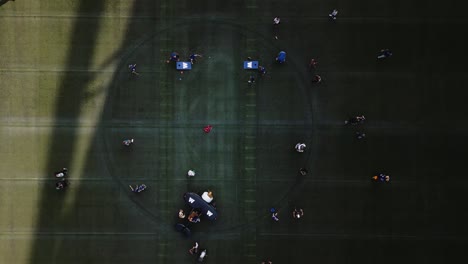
{"x":62,"y":173}
{"x":61,"y":184}
{"x":181,"y":214}
{"x":132,"y":68}
{"x":317,"y":79}
{"x":251,"y":79}
{"x":174,"y":57}
{"x":193,"y":57}
{"x":298,"y":213}
{"x":138,"y":188}
{"x":384,"y":53}
{"x":274,"y":216}
{"x":276,"y":22}
{"x":191,"y":173}
{"x":207,"y":129}
{"x":194,"y":249}
{"x":261,"y":70}
{"x":333,"y":14}
{"x":300,"y":147}
{"x":356,"y":120}
{"x":202,"y":255}
{"x":313,"y":64}
{"x":360,"y":135}
{"x":303,"y":171}
{"x":128,"y":142}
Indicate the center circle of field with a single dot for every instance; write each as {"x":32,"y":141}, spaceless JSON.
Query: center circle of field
{"x":162,"y":104}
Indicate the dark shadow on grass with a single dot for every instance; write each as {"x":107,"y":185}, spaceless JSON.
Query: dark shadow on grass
{"x":53,"y":224}
{"x":2,"y":2}
{"x":106,"y":222}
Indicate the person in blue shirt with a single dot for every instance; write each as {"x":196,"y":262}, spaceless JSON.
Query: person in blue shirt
{"x":174,"y":57}
{"x":281,"y":58}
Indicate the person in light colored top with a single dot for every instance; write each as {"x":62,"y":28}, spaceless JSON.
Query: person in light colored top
{"x":191,"y":173}
{"x":300,"y":147}
{"x":207,"y":196}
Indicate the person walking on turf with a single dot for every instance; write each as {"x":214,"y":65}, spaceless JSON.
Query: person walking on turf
{"x":300,"y":147}
{"x":317,"y":79}
{"x":207,"y":129}
{"x":194,"y":249}
{"x":261,"y":70}
{"x":276,"y":22}
{"x":298,"y":213}
{"x":303,"y":171}
{"x":193,"y":57}
{"x":313,"y":64}
{"x":174,"y":57}
{"x":62,"y":173}
{"x":132,"y":68}
{"x":191,"y":173}
{"x":384,"y":53}
{"x":360,"y":135}
{"x":355,"y":120}
{"x":333,"y":14}
{"x":274,"y":216}
{"x":127,"y":142}
{"x":61,"y":184}
{"x":202,"y":255}
{"x":138,"y":188}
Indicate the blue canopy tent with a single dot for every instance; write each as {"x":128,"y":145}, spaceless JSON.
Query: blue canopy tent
{"x":195,"y":201}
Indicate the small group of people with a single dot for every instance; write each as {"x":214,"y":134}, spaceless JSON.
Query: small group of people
{"x":381,"y":177}
{"x":355,"y":120}
{"x":200,"y":255}
{"x":62,"y":182}
{"x":296,"y":213}
{"x":138,"y":188}
{"x":174,"y":57}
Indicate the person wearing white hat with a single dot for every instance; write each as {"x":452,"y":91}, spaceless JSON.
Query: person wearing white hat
{"x":191,"y":173}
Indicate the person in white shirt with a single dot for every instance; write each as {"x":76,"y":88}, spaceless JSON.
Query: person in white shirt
{"x":333,"y":14}
{"x":300,"y":147}
{"x":202,"y":255}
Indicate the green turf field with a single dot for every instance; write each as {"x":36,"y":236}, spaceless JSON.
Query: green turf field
{"x":68,"y":100}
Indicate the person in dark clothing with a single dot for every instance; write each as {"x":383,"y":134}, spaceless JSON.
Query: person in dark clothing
{"x":61,"y":185}
{"x":381,"y":178}
{"x":303,"y":171}
{"x":128,"y":142}
{"x":384,"y":53}
{"x":355,"y":120}
{"x":174,"y":57}
{"x":193,"y":57}
{"x":261,"y":70}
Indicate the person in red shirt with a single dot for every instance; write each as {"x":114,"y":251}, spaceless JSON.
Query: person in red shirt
{"x":207,"y":129}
